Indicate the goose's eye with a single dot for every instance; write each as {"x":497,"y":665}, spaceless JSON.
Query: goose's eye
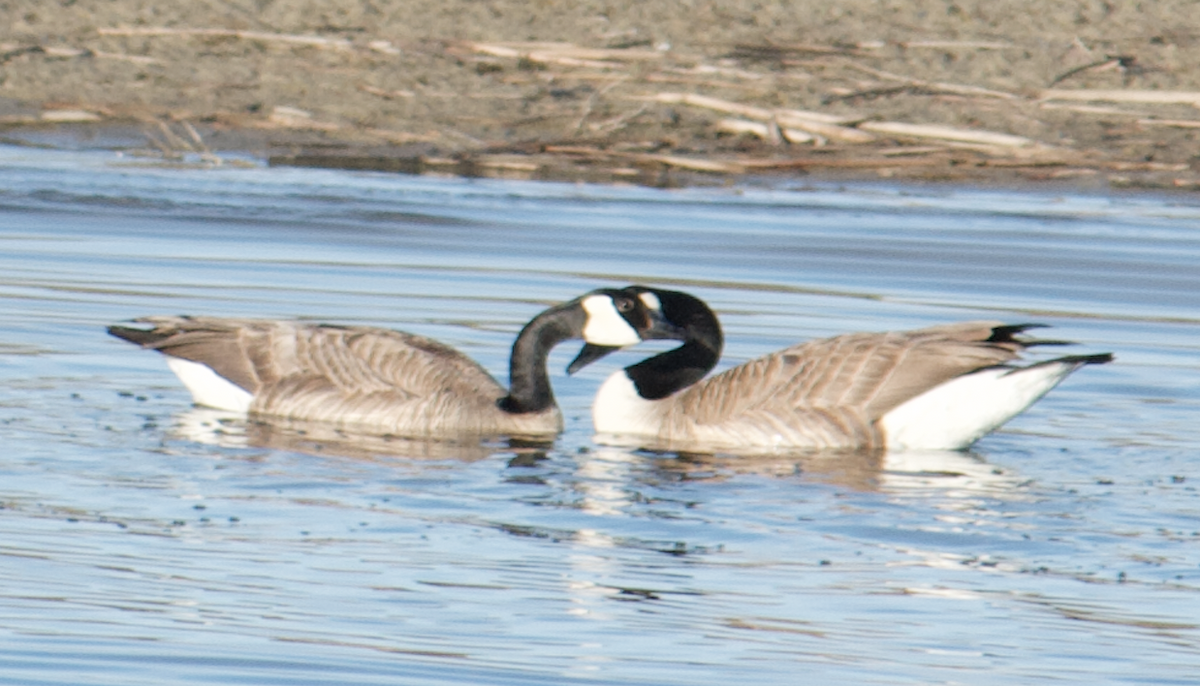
{"x":624,"y":305}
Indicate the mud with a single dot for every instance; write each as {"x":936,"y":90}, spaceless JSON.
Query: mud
{"x":1088,"y":92}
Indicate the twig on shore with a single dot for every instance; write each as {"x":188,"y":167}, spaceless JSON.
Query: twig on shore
{"x":711,"y":70}
{"x":69,"y":116}
{"x":1091,"y":109}
{"x":586,"y":108}
{"x":293,"y":118}
{"x":617,"y":123}
{"x":62,"y":52}
{"x":957,"y":45}
{"x":174,"y":146}
{"x":690,"y":163}
{"x":776,"y":52}
{"x":816,"y":123}
{"x":1139,"y":96}
{"x":949,"y":134}
{"x":1175,"y":123}
{"x":1122,"y":62}
{"x":872,"y":93}
{"x":402,"y":137}
{"x":385,"y":94}
{"x":938,"y":86}
{"x":313,"y":41}
{"x":768,"y":131}
{"x":834,"y":163}
{"x":173,"y":138}
{"x":749,"y":111}
{"x":565,"y":54}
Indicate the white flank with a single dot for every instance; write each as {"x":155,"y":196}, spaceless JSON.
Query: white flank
{"x":955,"y":414}
{"x":208,"y":388}
{"x":618,"y":409}
{"x":606,"y":326}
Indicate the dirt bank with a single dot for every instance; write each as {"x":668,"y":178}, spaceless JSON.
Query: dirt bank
{"x":1099,"y":92}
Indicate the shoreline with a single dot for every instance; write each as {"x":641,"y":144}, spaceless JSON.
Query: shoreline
{"x":694,"y":93}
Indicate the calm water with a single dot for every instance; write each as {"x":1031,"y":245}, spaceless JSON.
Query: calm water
{"x":144,"y":542}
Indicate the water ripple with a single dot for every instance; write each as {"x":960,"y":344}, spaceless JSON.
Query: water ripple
{"x":146,"y":542}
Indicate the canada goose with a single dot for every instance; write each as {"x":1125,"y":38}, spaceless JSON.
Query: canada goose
{"x":939,"y":388}
{"x":387,"y":381}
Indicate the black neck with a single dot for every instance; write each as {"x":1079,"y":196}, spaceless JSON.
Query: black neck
{"x":672,"y":371}
{"x":529,"y":382}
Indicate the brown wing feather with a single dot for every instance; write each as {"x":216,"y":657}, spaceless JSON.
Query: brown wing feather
{"x":262,"y":356}
{"x":865,"y":374}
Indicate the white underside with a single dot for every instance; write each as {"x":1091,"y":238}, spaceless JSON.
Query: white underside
{"x":618,"y":409}
{"x":208,"y":388}
{"x":955,"y":414}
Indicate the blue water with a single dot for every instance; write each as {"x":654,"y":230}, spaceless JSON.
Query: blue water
{"x":145,"y":542}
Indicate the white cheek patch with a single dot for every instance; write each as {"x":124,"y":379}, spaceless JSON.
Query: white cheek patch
{"x":606,"y":326}
{"x":651,"y":300}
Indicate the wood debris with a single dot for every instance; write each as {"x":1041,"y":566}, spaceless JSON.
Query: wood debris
{"x":1144,"y":97}
{"x":311,"y":41}
{"x":286,"y":117}
{"x":386,"y":94}
{"x":769,"y":131}
{"x":543,"y":89}
{"x":819,"y":125}
{"x":1176,"y":123}
{"x":934,"y":86}
{"x":69,"y":116}
{"x":957,"y":45}
{"x":564,"y":54}
{"x":948,"y":133}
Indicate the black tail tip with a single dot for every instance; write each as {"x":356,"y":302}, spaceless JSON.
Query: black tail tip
{"x":1098,"y":358}
{"x":140,"y":337}
{"x":1004,"y":334}
{"x":1008,"y":334}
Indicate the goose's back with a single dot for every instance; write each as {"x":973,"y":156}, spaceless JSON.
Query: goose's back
{"x":829,"y":393}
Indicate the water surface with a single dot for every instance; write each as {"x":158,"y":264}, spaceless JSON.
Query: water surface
{"x":145,"y":542}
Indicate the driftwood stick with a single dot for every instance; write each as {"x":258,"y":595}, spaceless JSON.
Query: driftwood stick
{"x":816,"y":123}
{"x":1176,"y":123}
{"x":692,"y":163}
{"x":955,"y":88}
{"x":564,"y":54}
{"x":957,"y":45}
{"x":525,"y":49}
{"x":1138,"y":96}
{"x":948,"y":133}
{"x":748,"y":111}
{"x":314,"y":41}
{"x":619,"y":122}
{"x":173,"y":139}
{"x":1106,"y":62}
{"x":1092,"y":109}
{"x":586,"y":108}
{"x":385,"y":94}
{"x":769,"y":131}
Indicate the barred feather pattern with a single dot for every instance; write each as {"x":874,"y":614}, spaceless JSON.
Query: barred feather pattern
{"x":372,"y":379}
{"x":827,"y":393}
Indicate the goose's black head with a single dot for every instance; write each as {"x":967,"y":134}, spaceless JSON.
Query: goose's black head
{"x":619,"y":317}
{"x":684,"y":317}
{"x":607,"y":319}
